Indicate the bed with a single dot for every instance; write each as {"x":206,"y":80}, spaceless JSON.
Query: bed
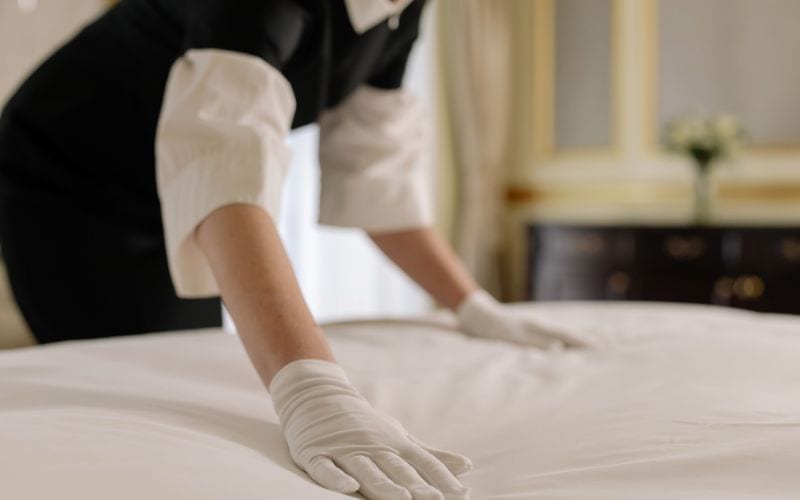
{"x":674,"y":402}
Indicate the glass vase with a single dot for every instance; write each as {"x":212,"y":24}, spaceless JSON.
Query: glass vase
{"x":703,"y":195}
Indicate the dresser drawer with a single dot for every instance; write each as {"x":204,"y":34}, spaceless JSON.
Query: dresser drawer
{"x":781,"y":295}
{"x":677,"y":287}
{"x":581,"y":263}
{"x":679,"y":250}
{"x":764,"y":250}
{"x":770,"y":292}
{"x":587,"y":284}
{"x":582,"y":246}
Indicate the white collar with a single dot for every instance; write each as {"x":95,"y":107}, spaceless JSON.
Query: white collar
{"x":366,"y":14}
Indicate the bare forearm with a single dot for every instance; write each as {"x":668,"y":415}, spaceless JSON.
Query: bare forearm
{"x":259,"y":288}
{"x":425,"y":257}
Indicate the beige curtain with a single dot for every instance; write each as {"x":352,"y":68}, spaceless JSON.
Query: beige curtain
{"x":475,"y":56}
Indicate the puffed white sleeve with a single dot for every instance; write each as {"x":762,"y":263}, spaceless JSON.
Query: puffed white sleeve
{"x":221,"y":140}
{"x":374,"y":162}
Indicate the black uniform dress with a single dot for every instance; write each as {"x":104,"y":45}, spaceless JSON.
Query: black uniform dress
{"x":80,"y":220}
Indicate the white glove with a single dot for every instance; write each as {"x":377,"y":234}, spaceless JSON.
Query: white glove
{"x":480,"y":315}
{"x":345,"y":445}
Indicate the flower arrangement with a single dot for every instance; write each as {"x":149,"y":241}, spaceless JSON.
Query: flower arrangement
{"x":706,"y":140}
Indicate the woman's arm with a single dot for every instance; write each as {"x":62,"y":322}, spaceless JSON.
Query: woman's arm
{"x":431,"y":262}
{"x":333,"y":433}
{"x":259,"y":288}
{"x":425,"y":257}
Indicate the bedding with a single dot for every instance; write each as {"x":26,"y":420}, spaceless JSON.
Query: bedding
{"x":673,"y":402}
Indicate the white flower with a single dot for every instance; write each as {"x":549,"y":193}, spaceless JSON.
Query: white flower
{"x":727,"y":127}
{"x":710,"y":137}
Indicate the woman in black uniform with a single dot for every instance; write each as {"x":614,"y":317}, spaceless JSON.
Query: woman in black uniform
{"x":140,"y":174}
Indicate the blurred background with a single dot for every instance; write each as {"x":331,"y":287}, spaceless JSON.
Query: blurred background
{"x":552,"y":174}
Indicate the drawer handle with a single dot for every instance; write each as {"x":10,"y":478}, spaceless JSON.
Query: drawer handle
{"x":618,"y":283}
{"x":748,"y":287}
{"x":790,"y":249}
{"x":723,"y":288}
{"x":680,"y":248}
{"x":589,"y":244}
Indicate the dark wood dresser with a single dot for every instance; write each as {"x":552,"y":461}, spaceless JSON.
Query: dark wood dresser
{"x":756,"y":268}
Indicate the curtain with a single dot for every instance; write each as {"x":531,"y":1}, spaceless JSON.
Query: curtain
{"x":476,"y":68}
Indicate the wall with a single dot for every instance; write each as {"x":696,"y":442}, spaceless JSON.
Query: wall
{"x":31,"y":29}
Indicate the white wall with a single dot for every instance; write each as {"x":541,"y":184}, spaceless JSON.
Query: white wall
{"x":31,"y":29}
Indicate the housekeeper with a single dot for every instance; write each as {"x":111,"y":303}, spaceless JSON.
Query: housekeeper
{"x":141,"y":169}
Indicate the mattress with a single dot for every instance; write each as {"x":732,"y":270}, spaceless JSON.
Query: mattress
{"x":673,"y":402}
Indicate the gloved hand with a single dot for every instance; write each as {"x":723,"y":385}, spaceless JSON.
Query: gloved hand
{"x":345,"y":445}
{"x":480,"y":315}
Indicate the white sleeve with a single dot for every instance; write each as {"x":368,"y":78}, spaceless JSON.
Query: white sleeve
{"x":221,"y":140}
{"x":373,"y":158}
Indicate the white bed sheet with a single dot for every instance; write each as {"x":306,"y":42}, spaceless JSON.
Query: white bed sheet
{"x":678,"y":402}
